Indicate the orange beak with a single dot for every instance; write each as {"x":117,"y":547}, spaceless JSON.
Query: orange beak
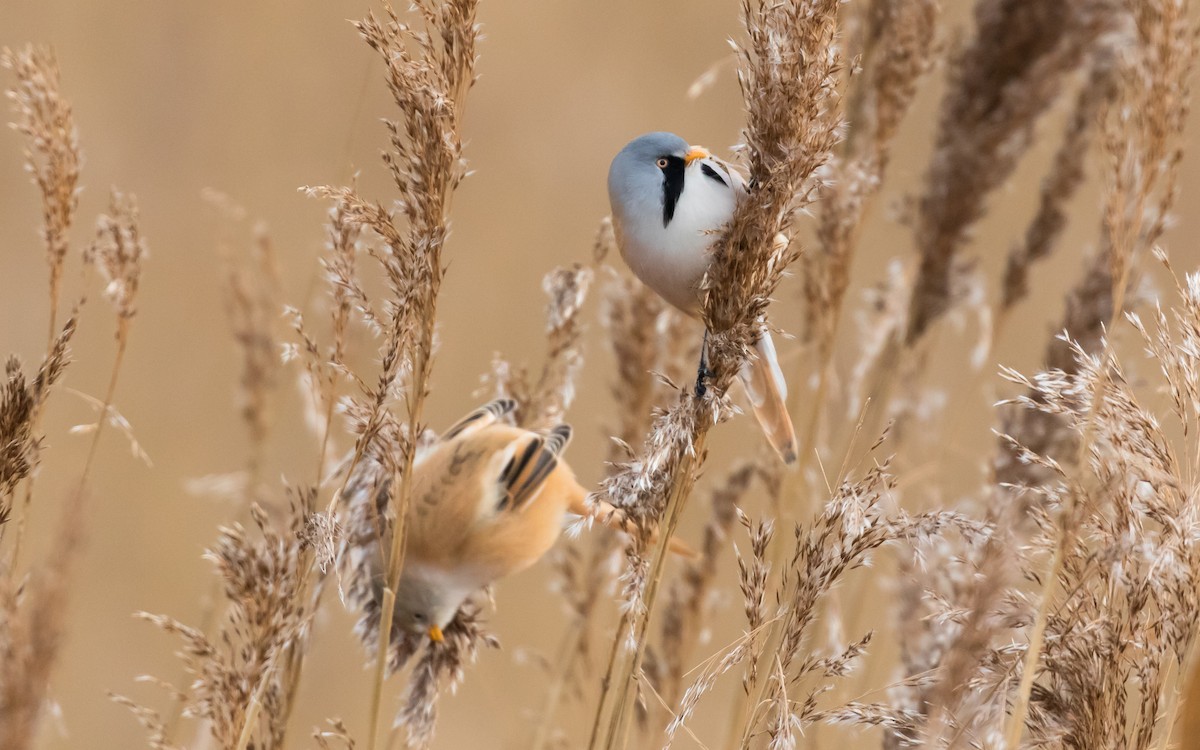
{"x":695,"y":153}
{"x":435,"y":634}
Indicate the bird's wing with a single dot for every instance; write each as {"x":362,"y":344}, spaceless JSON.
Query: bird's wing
{"x":737,"y":181}
{"x":486,"y":415}
{"x":530,"y":459}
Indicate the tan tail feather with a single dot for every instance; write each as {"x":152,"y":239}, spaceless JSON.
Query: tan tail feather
{"x":612,"y":518}
{"x":768,"y":396}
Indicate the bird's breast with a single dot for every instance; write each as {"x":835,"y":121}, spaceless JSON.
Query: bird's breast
{"x":671,"y":259}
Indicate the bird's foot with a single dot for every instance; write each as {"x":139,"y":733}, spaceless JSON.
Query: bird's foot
{"x":703,"y":373}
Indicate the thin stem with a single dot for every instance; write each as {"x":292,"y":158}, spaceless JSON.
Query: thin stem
{"x":607,"y":683}
{"x":1185,"y":680}
{"x":122,"y":340}
{"x":55,"y":286}
{"x":1016,"y":720}
{"x":329,"y":402}
{"x":683,"y":481}
{"x":554,"y":695}
{"x":255,"y":707}
{"x":381,"y":661}
{"x":400,"y":503}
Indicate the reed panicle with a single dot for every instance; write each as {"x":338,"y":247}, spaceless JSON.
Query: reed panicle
{"x":542,"y":403}
{"x":999,"y":86}
{"x":252,"y":299}
{"x":52,"y":157}
{"x":239,"y":674}
{"x":33,"y":595}
{"x":787,"y":69}
{"x":1048,"y":601}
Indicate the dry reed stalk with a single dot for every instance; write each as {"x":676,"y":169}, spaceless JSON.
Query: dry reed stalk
{"x":1127,"y":558}
{"x":961,"y":637}
{"x":1143,"y":138}
{"x":842,"y":537}
{"x":118,"y":252}
{"x":429,"y":71}
{"x":241,"y":681}
{"x":31,"y":608}
{"x":52,"y":158}
{"x":999,"y":86}
{"x":648,"y":341}
{"x":252,"y":293}
{"x":787,"y":75}
{"x":898,"y":50}
{"x":31,"y":627}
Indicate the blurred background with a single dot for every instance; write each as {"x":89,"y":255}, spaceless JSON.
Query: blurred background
{"x":257,"y":99}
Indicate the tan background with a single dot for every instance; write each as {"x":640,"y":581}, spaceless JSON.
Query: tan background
{"x":256,"y":99}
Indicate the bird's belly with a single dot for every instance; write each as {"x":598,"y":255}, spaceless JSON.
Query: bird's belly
{"x":673,"y":266}
{"x":516,"y":541}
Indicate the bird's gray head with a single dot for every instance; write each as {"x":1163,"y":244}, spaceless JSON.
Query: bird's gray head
{"x":427,"y":600}
{"x":648,"y":174}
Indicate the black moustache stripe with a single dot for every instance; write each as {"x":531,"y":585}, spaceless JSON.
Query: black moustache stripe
{"x":672,"y":187}
{"x":710,"y":172}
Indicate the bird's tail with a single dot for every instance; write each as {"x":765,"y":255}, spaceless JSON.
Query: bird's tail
{"x":608,"y":515}
{"x":768,"y":395}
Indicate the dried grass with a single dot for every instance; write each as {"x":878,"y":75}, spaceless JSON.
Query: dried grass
{"x":1052,"y":605}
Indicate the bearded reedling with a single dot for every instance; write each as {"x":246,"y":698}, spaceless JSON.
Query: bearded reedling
{"x":489,"y":499}
{"x":668,"y":199}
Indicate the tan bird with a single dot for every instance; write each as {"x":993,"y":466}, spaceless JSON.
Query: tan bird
{"x":488,"y":499}
{"x":668,"y":198}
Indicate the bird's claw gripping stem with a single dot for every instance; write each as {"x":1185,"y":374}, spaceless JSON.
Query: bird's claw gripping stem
{"x":703,"y":372}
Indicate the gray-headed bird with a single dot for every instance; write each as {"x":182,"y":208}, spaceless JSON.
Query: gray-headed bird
{"x":668,"y":199}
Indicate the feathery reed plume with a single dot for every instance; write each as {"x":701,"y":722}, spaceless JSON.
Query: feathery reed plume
{"x":649,"y":345}
{"x":19,"y":403}
{"x":898,"y":50}
{"x":1143,"y":134}
{"x":325,"y":369}
{"x":252,"y":303}
{"x":543,"y":403}
{"x":999,"y":85}
{"x":118,"y":251}
{"x":52,"y":157}
{"x":1128,"y":555}
{"x":852,"y":525}
{"x":787,"y":74}
{"x":1066,"y":172}
{"x":52,"y":160}
{"x":240,"y":686}
{"x":429,"y":68}
{"x":1143,"y":138}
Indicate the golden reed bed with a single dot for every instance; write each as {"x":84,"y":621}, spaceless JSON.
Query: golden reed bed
{"x":1048,"y":602}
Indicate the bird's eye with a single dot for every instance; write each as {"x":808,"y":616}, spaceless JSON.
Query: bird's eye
{"x":418,"y":617}
{"x":662,"y":162}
